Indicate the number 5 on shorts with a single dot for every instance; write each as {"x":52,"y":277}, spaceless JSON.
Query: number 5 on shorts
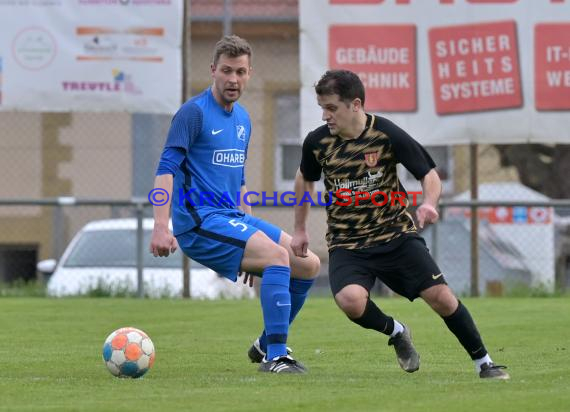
{"x":238,"y":224}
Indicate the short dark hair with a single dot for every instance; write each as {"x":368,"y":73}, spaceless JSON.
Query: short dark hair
{"x":231,"y":46}
{"x":345,"y":83}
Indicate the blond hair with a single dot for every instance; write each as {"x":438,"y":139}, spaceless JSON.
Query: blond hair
{"x":231,"y":46}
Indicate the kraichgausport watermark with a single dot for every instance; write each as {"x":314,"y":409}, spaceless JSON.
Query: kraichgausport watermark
{"x":340,"y":197}
{"x":158,"y":197}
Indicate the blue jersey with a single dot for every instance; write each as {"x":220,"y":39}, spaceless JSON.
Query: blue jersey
{"x":213,"y":170}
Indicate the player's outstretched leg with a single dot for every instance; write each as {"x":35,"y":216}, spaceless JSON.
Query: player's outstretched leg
{"x":461,"y":324}
{"x":299,"y":289}
{"x":276,"y":305}
{"x":303,"y":274}
{"x":263,"y":255}
{"x":355,"y":303}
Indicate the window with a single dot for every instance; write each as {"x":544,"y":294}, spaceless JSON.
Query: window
{"x":18,"y":262}
{"x":288,"y":143}
{"x":442,"y":156}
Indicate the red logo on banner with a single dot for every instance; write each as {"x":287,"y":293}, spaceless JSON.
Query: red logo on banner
{"x":552,"y":66}
{"x":475,"y":67}
{"x":385,"y":59}
{"x":501,"y":215}
{"x":539,"y":215}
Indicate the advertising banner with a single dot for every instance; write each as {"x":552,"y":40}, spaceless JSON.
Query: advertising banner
{"x":91,"y":55}
{"x":447,"y":71}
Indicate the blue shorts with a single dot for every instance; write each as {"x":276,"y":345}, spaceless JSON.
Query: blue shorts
{"x":219,"y":242}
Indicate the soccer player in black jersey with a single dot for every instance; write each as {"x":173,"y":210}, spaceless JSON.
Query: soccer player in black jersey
{"x":371,"y":235}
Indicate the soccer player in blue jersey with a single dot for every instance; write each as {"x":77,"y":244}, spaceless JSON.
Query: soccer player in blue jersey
{"x":202,"y":166}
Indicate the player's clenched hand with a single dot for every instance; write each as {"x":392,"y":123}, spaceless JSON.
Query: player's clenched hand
{"x":426,"y":214}
{"x":300,"y":243}
{"x":247,"y":278}
{"x":162,"y":242}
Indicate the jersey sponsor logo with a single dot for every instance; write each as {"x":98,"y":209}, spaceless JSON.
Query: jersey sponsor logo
{"x":229,"y":158}
{"x":371,"y":159}
{"x":215,"y":132}
{"x":367,"y":183}
{"x":240,"y":130}
{"x":372,"y":177}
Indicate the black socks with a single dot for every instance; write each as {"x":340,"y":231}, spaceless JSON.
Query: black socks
{"x":461,"y":324}
{"x":374,"y":318}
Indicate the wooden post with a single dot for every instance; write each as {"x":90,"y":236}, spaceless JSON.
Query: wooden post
{"x":474,"y":221}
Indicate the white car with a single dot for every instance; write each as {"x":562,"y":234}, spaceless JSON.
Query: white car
{"x":102,"y":256}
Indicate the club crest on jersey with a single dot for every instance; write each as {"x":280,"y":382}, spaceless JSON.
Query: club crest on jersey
{"x":371,"y":159}
{"x":229,"y":158}
{"x":240,"y":132}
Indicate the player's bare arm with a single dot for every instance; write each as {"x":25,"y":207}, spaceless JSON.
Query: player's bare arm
{"x":300,"y":241}
{"x":162,"y":242}
{"x":431,"y":187}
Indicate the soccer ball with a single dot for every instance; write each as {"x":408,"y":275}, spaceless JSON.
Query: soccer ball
{"x":128,"y":353}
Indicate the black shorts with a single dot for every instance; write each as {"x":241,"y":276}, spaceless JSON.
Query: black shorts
{"x":407,"y":270}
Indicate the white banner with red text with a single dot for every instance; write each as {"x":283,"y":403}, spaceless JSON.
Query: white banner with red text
{"x":91,"y":55}
{"x":447,"y":71}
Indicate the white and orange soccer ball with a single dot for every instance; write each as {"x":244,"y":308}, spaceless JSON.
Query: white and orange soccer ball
{"x":128,"y":353}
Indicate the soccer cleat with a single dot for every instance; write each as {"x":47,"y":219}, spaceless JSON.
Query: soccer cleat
{"x":408,"y":358}
{"x":256,"y":354}
{"x":492,"y":371}
{"x":281,"y":364}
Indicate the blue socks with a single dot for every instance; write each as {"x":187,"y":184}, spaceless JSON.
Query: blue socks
{"x":276,"y":307}
{"x":299,"y":289}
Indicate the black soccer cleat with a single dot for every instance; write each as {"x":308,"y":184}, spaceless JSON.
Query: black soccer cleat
{"x":256,"y":354}
{"x":492,"y":371}
{"x":281,"y":364}
{"x":408,"y":358}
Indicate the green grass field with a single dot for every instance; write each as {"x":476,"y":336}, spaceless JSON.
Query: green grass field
{"x":50,"y":358}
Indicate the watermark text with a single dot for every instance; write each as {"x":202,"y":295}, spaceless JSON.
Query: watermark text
{"x":340,"y":197}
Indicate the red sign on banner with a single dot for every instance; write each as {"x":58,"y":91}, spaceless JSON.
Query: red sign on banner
{"x":475,"y":67}
{"x":385,"y":59}
{"x":501,"y":215}
{"x":552,"y":66}
{"x":507,"y":215}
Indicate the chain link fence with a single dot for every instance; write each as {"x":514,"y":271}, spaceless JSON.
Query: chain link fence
{"x":514,"y":255}
{"x":113,"y":156}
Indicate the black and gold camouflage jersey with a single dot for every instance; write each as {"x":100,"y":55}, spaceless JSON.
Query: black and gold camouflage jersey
{"x":362,"y":178}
